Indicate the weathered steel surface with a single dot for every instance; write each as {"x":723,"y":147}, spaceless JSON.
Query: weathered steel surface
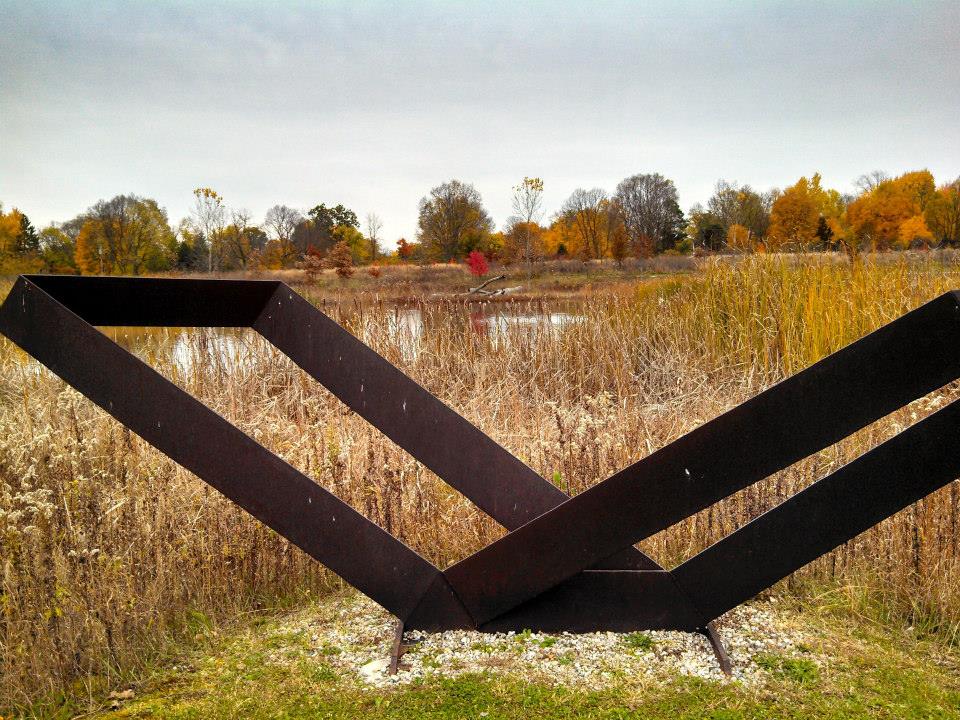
{"x":449,"y":445}
{"x":904,"y":469}
{"x":446,"y":443}
{"x":538,"y":576}
{"x":605,"y":600}
{"x":801,"y":415}
{"x":275,"y":493}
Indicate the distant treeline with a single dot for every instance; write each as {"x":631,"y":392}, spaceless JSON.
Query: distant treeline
{"x":129,"y":234}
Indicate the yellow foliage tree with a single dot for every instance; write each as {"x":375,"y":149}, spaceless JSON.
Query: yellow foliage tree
{"x":89,"y":256}
{"x":560,"y":240}
{"x":9,"y":229}
{"x":914,"y":232}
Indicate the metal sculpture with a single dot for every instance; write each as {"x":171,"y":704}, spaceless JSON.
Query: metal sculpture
{"x":567,"y":564}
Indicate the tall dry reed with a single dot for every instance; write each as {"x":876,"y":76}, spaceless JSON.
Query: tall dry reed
{"x":108,"y":550}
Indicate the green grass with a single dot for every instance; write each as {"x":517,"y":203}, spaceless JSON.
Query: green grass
{"x":858,"y":669}
{"x":798,"y":670}
{"x":639,"y":641}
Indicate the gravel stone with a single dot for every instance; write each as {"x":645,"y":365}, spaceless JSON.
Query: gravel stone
{"x":356,"y":638}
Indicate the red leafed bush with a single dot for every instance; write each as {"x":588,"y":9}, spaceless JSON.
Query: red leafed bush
{"x":477,"y":263}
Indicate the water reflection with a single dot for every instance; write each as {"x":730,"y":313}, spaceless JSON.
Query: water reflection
{"x":404,"y":327}
{"x":503,"y":323}
{"x":227,"y":350}
{"x":408,"y":328}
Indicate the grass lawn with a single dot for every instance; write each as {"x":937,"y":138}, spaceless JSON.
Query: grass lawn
{"x":862,"y":670}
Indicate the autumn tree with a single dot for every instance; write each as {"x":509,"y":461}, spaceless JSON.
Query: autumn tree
{"x":650,"y":210}
{"x":477,"y":263}
{"x":241,"y":240}
{"x":281,"y":222}
{"x":585,"y":213}
{"x":618,"y":239}
{"x":732,"y":205}
{"x":527,"y":209}
{"x":875,"y":217}
{"x":327,"y":218}
{"x":354,"y":240}
{"x":58,"y":251}
{"x":19,"y":244}
{"x":942,"y":214}
{"x":340,"y":258}
{"x":913,"y":232}
{"x":9,"y":227}
{"x":452,"y":221}
{"x":18,"y":236}
{"x":521,"y":241}
{"x":795,"y":215}
{"x":740,"y":238}
{"x":705,"y":229}
{"x":404,"y":249}
{"x":125,"y":235}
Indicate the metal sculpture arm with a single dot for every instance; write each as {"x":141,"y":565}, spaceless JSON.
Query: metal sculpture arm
{"x":207,"y":445}
{"x":803,"y":414}
{"x":537,"y":576}
{"x":904,"y":469}
{"x":453,"y":448}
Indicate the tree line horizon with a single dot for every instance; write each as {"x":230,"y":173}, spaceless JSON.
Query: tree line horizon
{"x":130,"y":234}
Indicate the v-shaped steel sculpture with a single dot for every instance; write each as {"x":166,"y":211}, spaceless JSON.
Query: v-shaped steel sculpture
{"x":567,"y":564}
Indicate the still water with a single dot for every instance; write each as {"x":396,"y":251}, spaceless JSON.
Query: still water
{"x":406,"y":327}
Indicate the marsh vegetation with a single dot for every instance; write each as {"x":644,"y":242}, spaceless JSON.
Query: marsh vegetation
{"x":109,"y":552}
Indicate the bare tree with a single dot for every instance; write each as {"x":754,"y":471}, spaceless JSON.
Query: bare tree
{"x":527,"y":203}
{"x":374,"y":225}
{"x":868,"y":182}
{"x":208,"y":214}
{"x":281,"y":221}
{"x":651,"y":212}
{"x":586,"y":212}
{"x":237,"y":240}
{"x":733,"y":205}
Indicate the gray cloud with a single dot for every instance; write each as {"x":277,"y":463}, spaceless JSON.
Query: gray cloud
{"x":372,"y":104}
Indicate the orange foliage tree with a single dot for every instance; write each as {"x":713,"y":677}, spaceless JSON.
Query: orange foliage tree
{"x":795,"y":218}
{"x":914,"y":232}
{"x":876,"y":216}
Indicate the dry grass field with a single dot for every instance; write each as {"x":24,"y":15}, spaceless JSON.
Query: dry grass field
{"x":110,"y":553}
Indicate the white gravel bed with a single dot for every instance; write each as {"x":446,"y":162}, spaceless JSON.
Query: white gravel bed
{"x":356,"y":638}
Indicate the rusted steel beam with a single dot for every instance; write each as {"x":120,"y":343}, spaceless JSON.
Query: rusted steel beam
{"x":466,"y":458}
{"x":159,"y":302}
{"x":444,"y":441}
{"x":879,"y":483}
{"x":801,"y":415}
{"x":361,"y":552}
{"x":536,"y":577}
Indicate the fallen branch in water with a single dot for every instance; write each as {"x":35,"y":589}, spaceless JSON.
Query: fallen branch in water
{"x":481,"y":288}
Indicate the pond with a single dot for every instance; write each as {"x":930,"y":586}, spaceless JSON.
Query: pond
{"x":404,"y":326}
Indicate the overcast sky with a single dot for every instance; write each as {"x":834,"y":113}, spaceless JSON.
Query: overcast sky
{"x":372,"y":104}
